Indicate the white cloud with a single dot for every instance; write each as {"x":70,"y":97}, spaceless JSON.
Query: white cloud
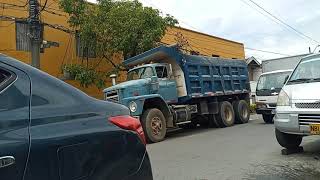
{"x":235,"y":20}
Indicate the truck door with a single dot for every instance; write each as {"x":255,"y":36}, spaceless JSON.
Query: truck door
{"x":167,"y":86}
{"x":14,"y":122}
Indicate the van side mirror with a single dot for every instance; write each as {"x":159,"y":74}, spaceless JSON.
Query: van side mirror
{"x":285,"y":79}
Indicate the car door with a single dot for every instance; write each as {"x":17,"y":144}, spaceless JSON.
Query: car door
{"x":167,"y":86}
{"x":14,"y":122}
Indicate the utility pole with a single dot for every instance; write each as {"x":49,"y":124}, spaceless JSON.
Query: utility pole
{"x":35,"y":32}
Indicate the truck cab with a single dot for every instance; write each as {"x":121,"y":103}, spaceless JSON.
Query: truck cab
{"x":268,"y":88}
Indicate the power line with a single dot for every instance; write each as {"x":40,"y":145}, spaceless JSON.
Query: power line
{"x":270,"y":52}
{"x":283,"y":22}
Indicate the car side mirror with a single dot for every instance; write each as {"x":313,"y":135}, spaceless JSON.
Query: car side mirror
{"x":154,"y":83}
{"x":285,"y":79}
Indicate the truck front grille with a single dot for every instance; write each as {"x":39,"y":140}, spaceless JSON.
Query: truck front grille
{"x":308,"y":105}
{"x":306,"y":119}
{"x":112,"y":96}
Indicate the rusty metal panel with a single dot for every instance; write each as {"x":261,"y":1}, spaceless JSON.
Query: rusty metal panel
{"x":23,"y":42}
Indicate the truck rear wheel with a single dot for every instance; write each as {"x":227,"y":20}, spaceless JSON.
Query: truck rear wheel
{"x":268,"y":118}
{"x":225,"y":117}
{"x":289,"y":141}
{"x":241,"y":111}
{"x":154,"y":125}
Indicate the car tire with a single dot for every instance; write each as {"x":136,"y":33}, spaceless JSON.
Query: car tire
{"x":154,"y":125}
{"x":268,"y":118}
{"x":288,"y":141}
{"x":225,"y":117}
{"x":241,"y":111}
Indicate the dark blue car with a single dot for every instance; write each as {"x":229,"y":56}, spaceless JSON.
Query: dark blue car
{"x":52,"y":131}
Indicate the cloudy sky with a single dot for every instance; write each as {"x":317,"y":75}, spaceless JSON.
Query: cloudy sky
{"x":242,"y":21}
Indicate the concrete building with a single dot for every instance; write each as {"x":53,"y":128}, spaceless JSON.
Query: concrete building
{"x":54,"y":58}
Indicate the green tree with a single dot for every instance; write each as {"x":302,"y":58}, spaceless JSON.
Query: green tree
{"x":117,"y":26}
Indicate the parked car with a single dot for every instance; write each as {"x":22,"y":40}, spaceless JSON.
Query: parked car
{"x":298,"y":106}
{"x":50,"y":130}
{"x":268,"y":88}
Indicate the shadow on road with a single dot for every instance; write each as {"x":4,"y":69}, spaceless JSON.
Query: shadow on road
{"x":301,"y":166}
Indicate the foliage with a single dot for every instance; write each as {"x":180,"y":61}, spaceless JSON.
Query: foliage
{"x":252,"y":108}
{"x":85,"y":76}
{"x":73,"y":69}
{"x":117,"y":26}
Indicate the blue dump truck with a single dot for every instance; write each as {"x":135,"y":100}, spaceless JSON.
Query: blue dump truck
{"x":167,"y":88}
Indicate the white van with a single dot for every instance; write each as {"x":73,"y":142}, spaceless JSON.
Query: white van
{"x":298,"y":106}
{"x":268,"y":88}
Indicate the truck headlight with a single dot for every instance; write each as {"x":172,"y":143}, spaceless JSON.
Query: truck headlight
{"x":133,"y":106}
{"x":283,"y":99}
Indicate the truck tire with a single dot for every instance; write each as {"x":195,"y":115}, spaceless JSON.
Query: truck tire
{"x":154,"y":125}
{"x":288,"y":141}
{"x":241,"y":111}
{"x":225,"y":117}
{"x":212,"y":122}
{"x":268,"y":118}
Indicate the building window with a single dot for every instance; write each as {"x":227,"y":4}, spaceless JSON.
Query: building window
{"x":82,"y":50}
{"x":214,"y":55}
{"x":23,"y":42}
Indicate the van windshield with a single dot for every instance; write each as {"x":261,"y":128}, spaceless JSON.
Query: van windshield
{"x":269,"y":83}
{"x":307,"y":71}
{"x":140,"y":73}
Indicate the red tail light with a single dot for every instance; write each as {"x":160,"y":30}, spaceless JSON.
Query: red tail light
{"x":129,"y":123}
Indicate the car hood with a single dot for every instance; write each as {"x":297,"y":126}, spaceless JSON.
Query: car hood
{"x":138,"y":82}
{"x":305,"y":91}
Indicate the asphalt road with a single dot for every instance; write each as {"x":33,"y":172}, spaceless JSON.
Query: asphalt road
{"x":247,"y":151}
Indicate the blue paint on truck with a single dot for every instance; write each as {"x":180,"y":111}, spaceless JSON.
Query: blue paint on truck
{"x":179,"y":88}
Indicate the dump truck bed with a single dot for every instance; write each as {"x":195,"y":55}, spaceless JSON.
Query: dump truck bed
{"x":198,"y":76}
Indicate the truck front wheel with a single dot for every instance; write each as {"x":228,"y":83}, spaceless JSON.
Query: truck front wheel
{"x":154,"y":125}
{"x":225,"y":117}
{"x":289,"y":141}
{"x":268,"y":118}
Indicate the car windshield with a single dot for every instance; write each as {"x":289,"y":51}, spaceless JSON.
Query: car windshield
{"x":306,"y":71}
{"x":140,"y":73}
{"x":272,"y":81}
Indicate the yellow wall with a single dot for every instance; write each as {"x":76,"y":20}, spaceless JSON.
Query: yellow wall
{"x":55,"y":57}
{"x":206,"y":44}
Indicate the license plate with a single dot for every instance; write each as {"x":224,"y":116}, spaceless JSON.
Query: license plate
{"x":315,"y":129}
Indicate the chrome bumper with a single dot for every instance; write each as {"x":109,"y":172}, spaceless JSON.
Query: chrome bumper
{"x":292,"y":120}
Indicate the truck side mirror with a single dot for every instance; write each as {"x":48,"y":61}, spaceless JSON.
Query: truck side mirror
{"x":170,"y":72}
{"x":154,"y":83}
{"x":285,"y":79}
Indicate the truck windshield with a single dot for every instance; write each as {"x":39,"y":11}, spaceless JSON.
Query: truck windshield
{"x":271,"y":82}
{"x":307,"y":71}
{"x":140,"y":73}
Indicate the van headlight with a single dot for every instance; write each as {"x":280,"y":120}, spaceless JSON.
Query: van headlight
{"x":133,"y":106}
{"x":283,"y":99}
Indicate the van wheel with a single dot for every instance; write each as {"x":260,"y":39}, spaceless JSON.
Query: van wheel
{"x":268,"y":118}
{"x":241,"y":111}
{"x":289,"y":141}
{"x":226,"y":117}
{"x":154,"y":125}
